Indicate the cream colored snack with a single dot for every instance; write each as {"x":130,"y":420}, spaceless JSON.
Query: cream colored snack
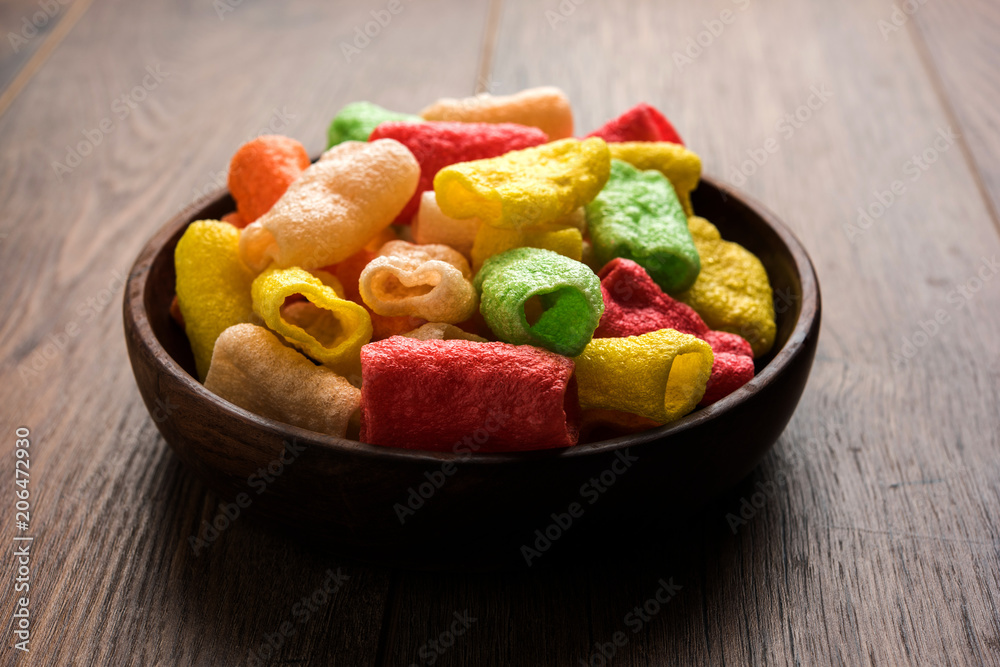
{"x":432,"y":282}
{"x":334,"y":208}
{"x":432,"y":226}
{"x":253,"y":370}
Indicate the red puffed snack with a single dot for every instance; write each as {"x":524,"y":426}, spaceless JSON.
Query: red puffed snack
{"x":640,"y":123}
{"x":460,"y":395}
{"x":439,"y":144}
{"x":634,"y":305}
{"x":261,"y":171}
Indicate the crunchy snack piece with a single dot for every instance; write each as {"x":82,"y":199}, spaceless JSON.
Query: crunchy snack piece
{"x":253,"y":370}
{"x":681,"y":166}
{"x":640,"y":123}
{"x":526,"y":188}
{"x":261,"y":171}
{"x":538,"y":297}
{"x":492,"y":241}
{"x":332,"y":331}
{"x":213,"y":286}
{"x":634,"y":305}
{"x":732,"y":292}
{"x":661,"y":375}
{"x":349,"y":274}
{"x":357,"y":120}
{"x":441,"y":394}
{"x":546,"y":108}
{"x":433,"y":226}
{"x":431,"y":282}
{"x":334,"y":208}
{"x":443,"y":331}
{"x":437,"y":145}
{"x":637,"y":216}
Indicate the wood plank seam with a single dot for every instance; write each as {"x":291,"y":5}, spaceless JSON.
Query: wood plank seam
{"x":58,"y":34}
{"x":937,"y":84}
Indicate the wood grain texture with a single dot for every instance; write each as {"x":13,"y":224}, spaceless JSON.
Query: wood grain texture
{"x":114,"y":578}
{"x":880,"y":546}
{"x":962,"y":49}
{"x":877,"y":544}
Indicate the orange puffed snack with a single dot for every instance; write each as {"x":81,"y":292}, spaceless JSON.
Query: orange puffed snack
{"x":261,"y":171}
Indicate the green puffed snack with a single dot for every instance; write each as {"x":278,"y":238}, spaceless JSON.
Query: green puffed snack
{"x":568,"y":298}
{"x":637,"y":216}
{"x":358,"y":120}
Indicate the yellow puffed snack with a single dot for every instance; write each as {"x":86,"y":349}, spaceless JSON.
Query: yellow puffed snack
{"x":660,"y":375}
{"x":253,"y":370}
{"x":681,"y":166}
{"x":432,"y":226}
{"x":432,"y":282}
{"x":546,"y":108}
{"x":213,"y":285}
{"x":526,"y":188}
{"x":334,"y":208}
{"x":732,"y":293}
{"x":493,"y":241}
{"x":331,"y":332}
{"x":443,"y":331}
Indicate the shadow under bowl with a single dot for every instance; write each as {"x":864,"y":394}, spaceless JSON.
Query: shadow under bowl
{"x":431,"y":510}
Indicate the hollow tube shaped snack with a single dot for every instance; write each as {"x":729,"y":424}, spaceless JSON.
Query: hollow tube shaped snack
{"x":335,"y":330}
{"x":642,"y":122}
{"x":732,"y":292}
{"x":261,"y":171}
{"x":526,"y":188}
{"x":334,"y":208}
{"x":661,"y":375}
{"x":546,"y":108}
{"x":213,"y":286}
{"x":433,"y":226}
{"x":637,"y":216}
{"x":252,"y":369}
{"x":568,"y":298}
{"x":357,"y":120}
{"x":634,"y":305}
{"x":681,"y":166}
{"x":427,"y":281}
{"x":436,"y":145}
{"x":463,"y":396}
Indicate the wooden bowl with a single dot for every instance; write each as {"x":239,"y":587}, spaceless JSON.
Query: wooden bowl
{"x":441,"y":510}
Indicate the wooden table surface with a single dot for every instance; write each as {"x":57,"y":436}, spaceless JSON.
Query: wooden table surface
{"x":879,"y":541}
